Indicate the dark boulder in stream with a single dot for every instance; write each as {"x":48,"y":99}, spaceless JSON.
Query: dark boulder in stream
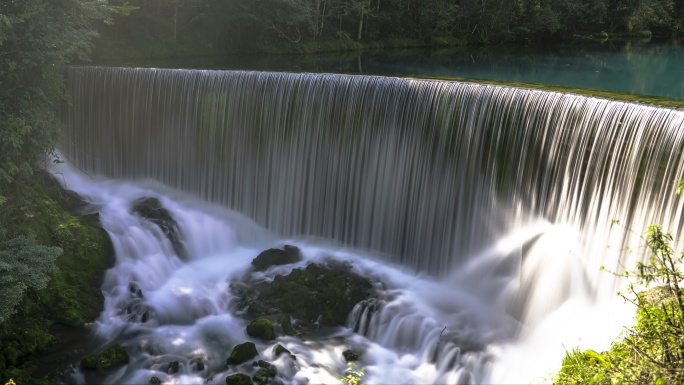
{"x":151,"y":208}
{"x":110,"y":358}
{"x":319,"y":295}
{"x":272,"y":257}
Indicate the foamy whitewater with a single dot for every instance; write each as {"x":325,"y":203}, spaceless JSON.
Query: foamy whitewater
{"x":457,"y":330}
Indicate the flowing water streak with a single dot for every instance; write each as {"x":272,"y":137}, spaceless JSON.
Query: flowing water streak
{"x":178,"y":319}
{"x":432,"y":174}
{"x":424,"y":171}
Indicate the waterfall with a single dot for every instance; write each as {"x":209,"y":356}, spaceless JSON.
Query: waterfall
{"x":426,"y":172}
{"x":503,"y":199}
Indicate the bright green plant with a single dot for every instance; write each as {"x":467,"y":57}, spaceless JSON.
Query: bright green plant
{"x":652,"y":351}
{"x":354,"y":376}
{"x":24,"y":264}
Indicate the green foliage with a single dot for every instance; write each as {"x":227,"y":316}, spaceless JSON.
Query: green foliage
{"x":24,"y":264}
{"x":354,"y":376}
{"x":299,"y":26}
{"x":37,"y":37}
{"x":586,"y":367}
{"x":72,"y":296}
{"x":652,"y":351}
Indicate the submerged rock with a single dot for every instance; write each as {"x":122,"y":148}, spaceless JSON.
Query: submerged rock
{"x":261,"y":328}
{"x":242,"y":353}
{"x":110,"y":358}
{"x":155,"y":380}
{"x":239,"y":379}
{"x":271,"y":257}
{"x":151,"y":209}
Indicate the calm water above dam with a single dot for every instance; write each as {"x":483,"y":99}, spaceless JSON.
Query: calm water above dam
{"x":634,"y":67}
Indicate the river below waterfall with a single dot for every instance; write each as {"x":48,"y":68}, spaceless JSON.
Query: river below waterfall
{"x":456,"y":330}
{"x":482,"y":215}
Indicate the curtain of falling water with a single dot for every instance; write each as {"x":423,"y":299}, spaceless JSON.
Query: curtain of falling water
{"x":425,"y":171}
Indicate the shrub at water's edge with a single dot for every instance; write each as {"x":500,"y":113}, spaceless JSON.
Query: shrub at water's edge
{"x":652,"y":350}
{"x":48,"y":328}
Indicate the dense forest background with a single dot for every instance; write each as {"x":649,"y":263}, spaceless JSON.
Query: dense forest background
{"x":320,"y":25}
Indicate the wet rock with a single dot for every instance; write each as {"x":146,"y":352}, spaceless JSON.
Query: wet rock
{"x":155,"y":380}
{"x":110,"y":358}
{"x":173,"y":367}
{"x":265,"y":373}
{"x":270,"y":368}
{"x":197,"y":364}
{"x":328,"y":292}
{"x":350,"y":356}
{"x":137,"y":311}
{"x":135,"y":291}
{"x":151,"y":209}
{"x":261,"y":328}
{"x":271,"y":257}
{"x":239,"y":379}
{"x":242,"y":353}
{"x":280,"y":349}
{"x":287,"y":327}
{"x":258,"y":308}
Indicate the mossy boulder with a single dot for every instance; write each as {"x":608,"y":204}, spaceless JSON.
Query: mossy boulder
{"x":265,"y":373}
{"x":239,"y":379}
{"x":242,"y":353}
{"x":280,"y":349}
{"x":49,"y":329}
{"x":261,"y":328}
{"x":326,"y":291}
{"x":271,"y":257}
{"x":657,"y":296}
{"x":110,"y":358}
{"x":152,"y":209}
{"x":288,"y":328}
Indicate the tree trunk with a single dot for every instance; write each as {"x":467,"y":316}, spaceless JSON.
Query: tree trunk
{"x":360,"y":27}
{"x":175,"y":22}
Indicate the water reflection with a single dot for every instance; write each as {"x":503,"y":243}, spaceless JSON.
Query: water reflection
{"x":638,"y":67}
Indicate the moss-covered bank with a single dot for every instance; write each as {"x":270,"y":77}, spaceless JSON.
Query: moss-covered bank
{"x":49,"y":329}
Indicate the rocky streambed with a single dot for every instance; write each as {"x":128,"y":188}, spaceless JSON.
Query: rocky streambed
{"x":303,"y":301}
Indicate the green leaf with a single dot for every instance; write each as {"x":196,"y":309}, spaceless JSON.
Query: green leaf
{"x":680,"y":187}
